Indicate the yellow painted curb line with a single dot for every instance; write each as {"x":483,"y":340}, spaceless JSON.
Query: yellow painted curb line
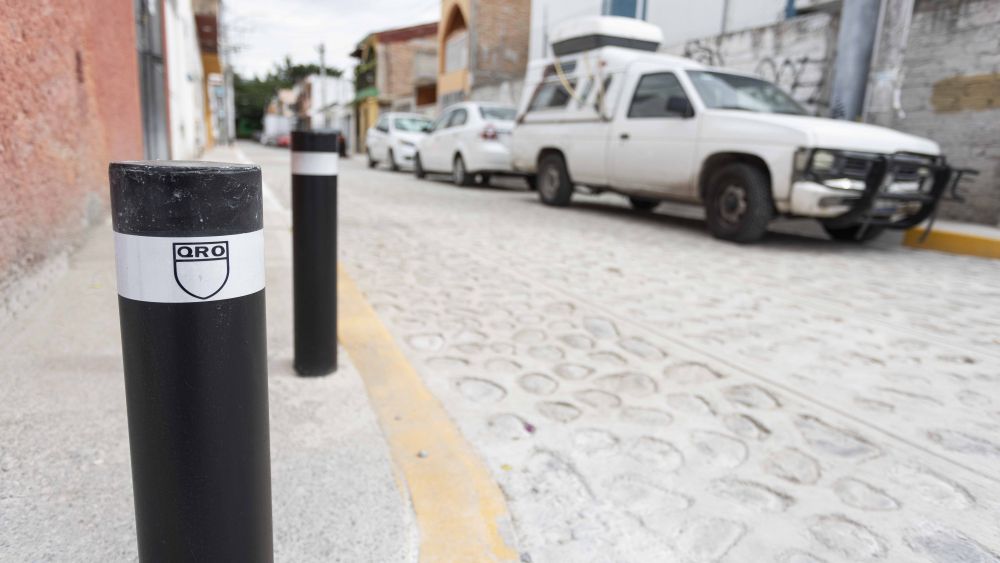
{"x":955,"y":243}
{"x":460,"y":510}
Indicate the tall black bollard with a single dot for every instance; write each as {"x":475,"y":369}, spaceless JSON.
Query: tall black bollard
{"x":314,"y":250}
{"x":189,"y":245}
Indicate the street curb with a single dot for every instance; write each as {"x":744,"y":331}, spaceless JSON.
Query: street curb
{"x":460,"y":510}
{"x":953,"y":242}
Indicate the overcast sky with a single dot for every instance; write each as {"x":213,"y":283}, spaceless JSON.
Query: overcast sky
{"x":267,"y":30}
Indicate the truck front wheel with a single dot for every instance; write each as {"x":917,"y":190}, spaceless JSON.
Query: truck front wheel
{"x":738,"y":203}
{"x":554,"y":186}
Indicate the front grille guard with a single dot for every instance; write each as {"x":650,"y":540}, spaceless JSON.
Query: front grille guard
{"x":881,"y":175}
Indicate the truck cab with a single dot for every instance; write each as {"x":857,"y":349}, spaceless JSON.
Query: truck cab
{"x":609,"y":113}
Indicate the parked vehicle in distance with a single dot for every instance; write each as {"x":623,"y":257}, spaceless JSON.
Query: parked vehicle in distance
{"x":467,"y":140}
{"x":609,"y":114}
{"x":284,"y":140}
{"x":394,"y":139}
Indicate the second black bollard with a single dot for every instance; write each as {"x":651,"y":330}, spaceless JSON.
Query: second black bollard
{"x":190,"y":253}
{"x":314,"y":250}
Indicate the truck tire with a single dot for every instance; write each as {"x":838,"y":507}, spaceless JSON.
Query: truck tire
{"x":418,"y":167}
{"x":459,"y":173}
{"x":554,"y":186}
{"x":850,"y":234}
{"x":738,"y":204}
{"x":643,"y":203}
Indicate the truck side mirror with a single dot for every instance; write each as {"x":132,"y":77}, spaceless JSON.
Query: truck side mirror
{"x":680,"y":105}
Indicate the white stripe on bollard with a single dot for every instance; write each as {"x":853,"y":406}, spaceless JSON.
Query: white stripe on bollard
{"x":315,"y":163}
{"x":189,"y":269}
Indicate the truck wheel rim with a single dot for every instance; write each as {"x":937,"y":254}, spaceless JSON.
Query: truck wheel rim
{"x":549,"y":184}
{"x":733,"y":204}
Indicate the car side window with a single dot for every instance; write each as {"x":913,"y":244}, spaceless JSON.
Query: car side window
{"x":653,"y":93}
{"x":458,"y":118}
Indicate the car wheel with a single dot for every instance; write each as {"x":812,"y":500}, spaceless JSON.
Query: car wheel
{"x":850,"y":234}
{"x":643,"y":203}
{"x":738,"y":203}
{"x":459,"y":175}
{"x":418,"y":167}
{"x":393,"y":165}
{"x":554,"y":186}
{"x":372,"y":163}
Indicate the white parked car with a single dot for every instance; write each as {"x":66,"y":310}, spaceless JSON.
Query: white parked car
{"x":394,"y":139}
{"x":467,"y":140}
{"x":610,"y":114}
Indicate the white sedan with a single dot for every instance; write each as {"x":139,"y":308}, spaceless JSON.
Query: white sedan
{"x":467,"y":140}
{"x":394,"y":139}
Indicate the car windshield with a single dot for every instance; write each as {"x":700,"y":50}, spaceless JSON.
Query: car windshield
{"x":411,"y":123}
{"x":498,"y":113}
{"x":731,"y":91}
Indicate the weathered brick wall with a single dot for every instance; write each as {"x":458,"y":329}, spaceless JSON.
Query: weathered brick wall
{"x":69,"y":103}
{"x":951,"y":93}
{"x":797,"y":54}
{"x":500,"y":38}
{"x":398,"y":70}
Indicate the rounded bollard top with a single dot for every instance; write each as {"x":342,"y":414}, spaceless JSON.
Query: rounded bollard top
{"x":321,"y":140}
{"x":185,"y":198}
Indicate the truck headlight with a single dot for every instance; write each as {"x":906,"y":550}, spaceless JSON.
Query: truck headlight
{"x":823,"y":161}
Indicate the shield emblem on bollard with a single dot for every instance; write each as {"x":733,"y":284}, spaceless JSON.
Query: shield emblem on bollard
{"x":201,"y":268}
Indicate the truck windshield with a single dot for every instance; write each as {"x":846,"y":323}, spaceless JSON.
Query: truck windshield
{"x":731,"y":91}
{"x":411,"y":123}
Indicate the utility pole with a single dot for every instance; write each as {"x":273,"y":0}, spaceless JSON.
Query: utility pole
{"x":322,"y":83}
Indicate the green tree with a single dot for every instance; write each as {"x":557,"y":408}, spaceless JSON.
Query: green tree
{"x":253,"y":94}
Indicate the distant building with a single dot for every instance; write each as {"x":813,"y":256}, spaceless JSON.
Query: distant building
{"x":482,"y":50}
{"x":217,"y":78}
{"x":280,"y":116}
{"x":396,"y":72}
{"x":326,"y":104}
{"x":185,"y":82}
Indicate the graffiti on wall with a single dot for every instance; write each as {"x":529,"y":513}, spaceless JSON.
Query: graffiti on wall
{"x":793,"y":76}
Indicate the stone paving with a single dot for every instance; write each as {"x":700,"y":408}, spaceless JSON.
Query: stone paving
{"x":643,"y":392}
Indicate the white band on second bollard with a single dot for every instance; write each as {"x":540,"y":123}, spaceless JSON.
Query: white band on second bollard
{"x":315,"y":163}
{"x":189,"y":269}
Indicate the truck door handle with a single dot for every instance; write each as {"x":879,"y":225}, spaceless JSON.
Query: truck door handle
{"x":624,"y":136}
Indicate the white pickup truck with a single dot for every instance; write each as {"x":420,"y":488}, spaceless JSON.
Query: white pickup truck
{"x":609,"y":114}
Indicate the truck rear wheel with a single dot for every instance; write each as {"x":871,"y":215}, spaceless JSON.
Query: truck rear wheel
{"x":738,"y":203}
{"x":554,"y":187}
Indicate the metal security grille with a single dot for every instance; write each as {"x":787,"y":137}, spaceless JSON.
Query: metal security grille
{"x":149,"y":44}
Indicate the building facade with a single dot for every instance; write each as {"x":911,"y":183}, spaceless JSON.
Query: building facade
{"x":70,"y":102}
{"x":482,"y":50}
{"x":395,"y":72}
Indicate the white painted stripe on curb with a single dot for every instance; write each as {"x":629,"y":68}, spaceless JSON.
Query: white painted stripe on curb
{"x":315,"y":163}
{"x":189,"y":269}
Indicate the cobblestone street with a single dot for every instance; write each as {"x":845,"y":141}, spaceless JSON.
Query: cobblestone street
{"x":644,"y":392}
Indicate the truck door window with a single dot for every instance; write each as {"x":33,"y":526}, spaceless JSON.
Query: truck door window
{"x":653,"y":93}
{"x":550,"y":95}
{"x":602,"y":95}
{"x":584,"y":92}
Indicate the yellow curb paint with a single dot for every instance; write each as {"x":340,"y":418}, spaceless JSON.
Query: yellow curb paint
{"x":955,"y":243}
{"x":460,"y":510}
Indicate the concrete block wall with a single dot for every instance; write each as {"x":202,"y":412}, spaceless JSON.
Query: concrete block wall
{"x":951,"y":93}
{"x":797,"y":54}
{"x":69,"y":103}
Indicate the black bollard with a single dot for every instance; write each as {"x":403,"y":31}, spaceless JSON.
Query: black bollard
{"x":189,"y":246}
{"x":314,"y":250}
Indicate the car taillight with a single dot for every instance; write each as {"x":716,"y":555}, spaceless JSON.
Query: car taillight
{"x":489,"y":133}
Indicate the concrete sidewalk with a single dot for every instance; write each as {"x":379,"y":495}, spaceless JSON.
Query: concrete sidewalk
{"x":65,"y":482}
